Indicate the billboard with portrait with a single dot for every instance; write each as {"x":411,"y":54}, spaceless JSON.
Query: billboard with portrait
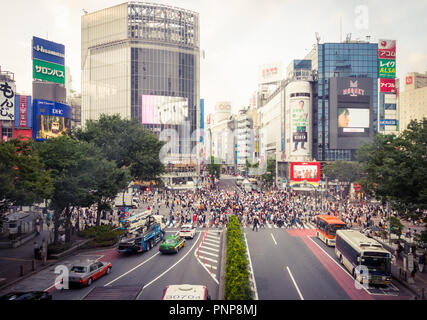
{"x":353,"y":120}
{"x":51,"y":119}
{"x":350,"y":112}
{"x":164,"y":110}
{"x":300,"y":125}
{"x":305,"y":171}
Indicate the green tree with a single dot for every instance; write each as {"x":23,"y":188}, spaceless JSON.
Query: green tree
{"x":344,"y":171}
{"x":396,"y":226}
{"x":396,"y":169}
{"x":81,"y":176}
{"x":269,"y":176}
{"x":127,"y":142}
{"x":23,"y":178}
{"x":214,"y":168}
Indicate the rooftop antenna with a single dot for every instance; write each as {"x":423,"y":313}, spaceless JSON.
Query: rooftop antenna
{"x":85,"y":11}
{"x":368,"y":38}
{"x":348,"y":37}
{"x":317,"y":37}
{"x":340,"y":29}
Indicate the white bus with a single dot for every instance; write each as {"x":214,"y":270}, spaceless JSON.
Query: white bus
{"x":361,"y":255}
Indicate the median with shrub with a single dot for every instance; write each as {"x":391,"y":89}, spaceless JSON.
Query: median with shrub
{"x":237,"y":285}
{"x":101,"y":236}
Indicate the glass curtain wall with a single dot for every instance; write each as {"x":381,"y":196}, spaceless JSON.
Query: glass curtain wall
{"x":342,"y":60}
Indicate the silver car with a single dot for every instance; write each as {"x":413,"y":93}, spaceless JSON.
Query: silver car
{"x":84,"y":273}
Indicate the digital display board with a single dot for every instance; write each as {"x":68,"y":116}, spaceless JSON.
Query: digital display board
{"x":51,"y":119}
{"x":350,"y":112}
{"x":305,"y":171}
{"x":164,"y":110}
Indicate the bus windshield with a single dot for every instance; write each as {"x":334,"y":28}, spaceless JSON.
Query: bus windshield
{"x":334,"y":227}
{"x":377,"y":264}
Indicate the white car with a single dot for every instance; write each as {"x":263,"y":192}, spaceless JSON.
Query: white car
{"x":186,"y":292}
{"x":187,"y":231}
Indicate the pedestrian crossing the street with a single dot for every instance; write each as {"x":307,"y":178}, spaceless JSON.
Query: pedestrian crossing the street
{"x":267,"y":225}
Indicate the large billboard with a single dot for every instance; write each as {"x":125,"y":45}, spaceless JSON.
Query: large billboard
{"x":300,"y":125}
{"x":7,"y":100}
{"x":270,"y":73}
{"x":48,"y":51}
{"x":387,"y":68}
{"x":387,"y":49}
{"x":48,"y":71}
{"x":350,"y":112}
{"x":305,"y":171}
{"x":51,"y":119}
{"x":164,"y":110}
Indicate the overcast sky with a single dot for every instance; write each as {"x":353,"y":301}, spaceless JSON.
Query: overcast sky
{"x":237,"y":35}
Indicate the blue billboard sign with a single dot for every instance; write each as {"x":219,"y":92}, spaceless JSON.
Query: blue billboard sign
{"x":388,"y":122}
{"x":50,"y":119}
{"x":48,"y":51}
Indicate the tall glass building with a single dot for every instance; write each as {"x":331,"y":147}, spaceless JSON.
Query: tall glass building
{"x":331,"y":60}
{"x":142,"y":61}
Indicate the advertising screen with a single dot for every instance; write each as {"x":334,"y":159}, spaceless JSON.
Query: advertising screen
{"x":7,"y":100}
{"x":309,"y":171}
{"x":164,"y":110}
{"x":51,"y":119}
{"x":300,"y":122}
{"x":48,"y":51}
{"x":350,"y":118}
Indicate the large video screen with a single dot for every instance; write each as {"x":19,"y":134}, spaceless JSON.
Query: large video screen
{"x":353,"y":120}
{"x":309,"y":171}
{"x":52,"y":119}
{"x":164,"y":110}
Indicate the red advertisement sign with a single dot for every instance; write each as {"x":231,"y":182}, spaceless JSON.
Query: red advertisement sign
{"x":309,"y":171}
{"x":387,"y":49}
{"x":388,"y":85}
{"x":23,"y":134}
{"x":22,"y":111}
{"x":409,"y":80}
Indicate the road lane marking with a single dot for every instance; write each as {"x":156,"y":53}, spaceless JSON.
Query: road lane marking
{"x":209,"y":253}
{"x":273,"y":239}
{"x":209,"y":248}
{"x":209,"y":259}
{"x":252,"y":269}
{"x":171,"y":267}
{"x":295,"y":284}
{"x":339,"y":265}
{"x":127,"y":272}
{"x":207,"y":241}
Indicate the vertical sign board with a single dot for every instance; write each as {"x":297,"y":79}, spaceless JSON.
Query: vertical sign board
{"x":23,"y":111}
{"x":386,"y":68}
{"x":7,"y":100}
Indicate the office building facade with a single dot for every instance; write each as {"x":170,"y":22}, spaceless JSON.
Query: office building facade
{"x":347,"y":61}
{"x":141,"y":61}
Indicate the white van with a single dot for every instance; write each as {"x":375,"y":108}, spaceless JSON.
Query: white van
{"x":186,"y":292}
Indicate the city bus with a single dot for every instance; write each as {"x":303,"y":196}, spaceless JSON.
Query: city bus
{"x":357,"y":252}
{"x":326,"y":228}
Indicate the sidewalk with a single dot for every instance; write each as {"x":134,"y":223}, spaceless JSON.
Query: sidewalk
{"x":420,"y":279}
{"x":13,"y":259}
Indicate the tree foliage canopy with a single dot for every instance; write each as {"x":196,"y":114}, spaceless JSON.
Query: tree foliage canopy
{"x":23,"y":177}
{"x":396,"y":168}
{"x":345,"y":171}
{"x":127,"y":142}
